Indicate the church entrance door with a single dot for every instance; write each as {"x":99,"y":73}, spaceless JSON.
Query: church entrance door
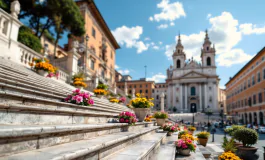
{"x":193,"y":108}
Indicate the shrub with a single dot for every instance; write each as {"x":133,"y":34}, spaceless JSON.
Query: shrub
{"x":231,"y":130}
{"x":203,"y":135}
{"x":26,"y":37}
{"x":102,"y":86}
{"x":229,"y":145}
{"x":247,"y":136}
{"x":160,"y":115}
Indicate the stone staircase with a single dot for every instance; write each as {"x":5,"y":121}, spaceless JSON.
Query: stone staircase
{"x":36,"y":125}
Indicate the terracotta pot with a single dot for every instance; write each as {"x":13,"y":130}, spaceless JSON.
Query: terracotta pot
{"x":169,"y":133}
{"x":247,"y":153}
{"x":160,"y":122}
{"x":141,"y":113}
{"x":237,"y":144}
{"x":184,"y":152}
{"x":43,"y":73}
{"x":203,"y":141}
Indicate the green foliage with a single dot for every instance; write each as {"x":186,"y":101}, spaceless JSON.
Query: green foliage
{"x":182,"y":133}
{"x":229,"y":145}
{"x":234,"y":128}
{"x":129,"y":96}
{"x":160,"y":115}
{"x":4,"y":4}
{"x":203,"y":135}
{"x":78,"y":75}
{"x":102,"y":86}
{"x":247,"y":136}
{"x":48,"y":36}
{"x":26,"y":37}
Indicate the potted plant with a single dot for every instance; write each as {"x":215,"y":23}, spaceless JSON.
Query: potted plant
{"x":169,"y":128}
{"x":43,"y":66}
{"x":160,"y":118}
{"x":229,"y":145}
{"x":191,"y":129}
{"x":114,"y":100}
{"x":248,"y":137}
{"x":78,"y":80}
{"x":127,"y":117}
{"x":228,"y":155}
{"x":101,"y":90}
{"x":185,"y":146}
{"x":182,"y":133}
{"x":141,"y":106}
{"x":122,"y":100}
{"x":231,"y":132}
{"x":203,"y":138}
{"x":80,"y":98}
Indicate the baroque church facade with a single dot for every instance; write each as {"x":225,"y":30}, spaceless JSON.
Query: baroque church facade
{"x":193,"y":86}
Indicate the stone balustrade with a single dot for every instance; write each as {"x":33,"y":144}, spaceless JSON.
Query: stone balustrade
{"x":5,"y":20}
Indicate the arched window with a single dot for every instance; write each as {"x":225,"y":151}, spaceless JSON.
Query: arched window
{"x":208,"y":61}
{"x":192,"y":91}
{"x":207,"y":48}
{"x":178,"y":63}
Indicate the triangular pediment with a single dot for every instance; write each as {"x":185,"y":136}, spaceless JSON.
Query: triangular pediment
{"x":194,"y":74}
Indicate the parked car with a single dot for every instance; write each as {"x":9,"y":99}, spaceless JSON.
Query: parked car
{"x":261,"y":129}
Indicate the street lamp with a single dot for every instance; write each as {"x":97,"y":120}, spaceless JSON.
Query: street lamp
{"x":193,"y":115}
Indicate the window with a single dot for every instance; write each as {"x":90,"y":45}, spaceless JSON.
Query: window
{"x":249,"y":101}
{"x":253,"y":80}
{"x":134,"y":86}
{"x":140,"y":86}
{"x":130,"y":86}
{"x":140,"y":91}
{"x":254,"y":99}
{"x":258,"y":77}
{"x":208,"y":61}
{"x":192,"y":91}
{"x":248,"y":83}
{"x":178,"y":63}
{"x":157,"y":97}
{"x":260,"y":97}
{"x":92,"y":64}
{"x":207,"y":48}
{"x":153,"y":91}
{"x":103,"y":73}
{"x":93,"y":32}
{"x":130,"y":91}
{"x":264,"y":73}
{"x":165,"y":96}
{"x":146,"y":91}
{"x":246,"y":102}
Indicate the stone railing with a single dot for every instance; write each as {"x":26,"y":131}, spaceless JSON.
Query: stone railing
{"x":27,"y":55}
{"x":63,"y":76}
{"x":5,"y":20}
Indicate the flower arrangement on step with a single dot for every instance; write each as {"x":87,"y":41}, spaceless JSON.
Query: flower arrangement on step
{"x":182,"y":133}
{"x":148,"y":118}
{"x":78,"y":80}
{"x":170,"y":128}
{"x":228,"y":155}
{"x":101,"y":90}
{"x":191,"y":129}
{"x":114,"y":100}
{"x":122,"y":100}
{"x":141,"y":106}
{"x":203,"y":137}
{"x":43,"y":66}
{"x":160,"y":117}
{"x":127,"y":117}
{"x":185,"y":146}
{"x":80,"y":98}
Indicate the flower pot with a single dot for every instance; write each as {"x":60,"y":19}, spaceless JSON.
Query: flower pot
{"x":43,"y":73}
{"x":141,"y":113}
{"x":203,"y":141}
{"x":247,"y":153}
{"x":99,"y":96}
{"x":169,"y":133}
{"x":184,"y":152}
{"x":160,"y":122}
{"x":237,"y":144}
{"x":125,"y":128}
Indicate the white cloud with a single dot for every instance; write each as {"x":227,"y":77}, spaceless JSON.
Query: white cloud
{"x":172,"y":24}
{"x":209,"y":15}
{"x":147,"y":39}
{"x":124,"y":72}
{"x":157,"y":78}
{"x":249,"y":28}
{"x":130,"y":37}
{"x":162,"y":26}
{"x":224,"y":32}
{"x":160,"y":42}
{"x":116,"y":66}
{"x":170,"y":11}
{"x":155,"y":47}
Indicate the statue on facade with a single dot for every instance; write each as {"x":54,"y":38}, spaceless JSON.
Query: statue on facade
{"x":15,"y":8}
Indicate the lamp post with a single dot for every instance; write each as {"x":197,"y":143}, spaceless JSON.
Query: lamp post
{"x":85,"y":61}
{"x":222,"y":114}
{"x":193,"y":115}
{"x":208,"y":112}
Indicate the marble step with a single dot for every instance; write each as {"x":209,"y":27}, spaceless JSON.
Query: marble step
{"x":167,"y":150}
{"x":20,"y":138}
{"x":143,"y":149}
{"x":33,"y":115}
{"x":94,"y":148}
{"x":193,"y":156}
{"x":15,"y":87}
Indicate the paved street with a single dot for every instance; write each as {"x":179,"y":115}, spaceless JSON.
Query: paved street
{"x":218,"y":139}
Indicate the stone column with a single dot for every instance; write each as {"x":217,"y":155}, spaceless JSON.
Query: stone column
{"x":186,"y":98}
{"x":115,"y":88}
{"x":72,"y":59}
{"x":133,"y":93}
{"x":181,"y":98}
{"x":174,"y":104}
{"x":205,"y":96}
{"x":162,"y":97}
{"x":200,"y":94}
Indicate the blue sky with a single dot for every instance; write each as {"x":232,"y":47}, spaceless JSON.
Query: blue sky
{"x":146,"y":31}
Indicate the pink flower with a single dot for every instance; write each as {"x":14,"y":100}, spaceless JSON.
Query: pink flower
{"x":91,"y":102}
{"x":121,"y":120}
{"x":74,"y":97}
{"x":127,"y":121}
{"x":79,"y":99}
{"x":77,"y":91}
{"x":85,"y":95}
